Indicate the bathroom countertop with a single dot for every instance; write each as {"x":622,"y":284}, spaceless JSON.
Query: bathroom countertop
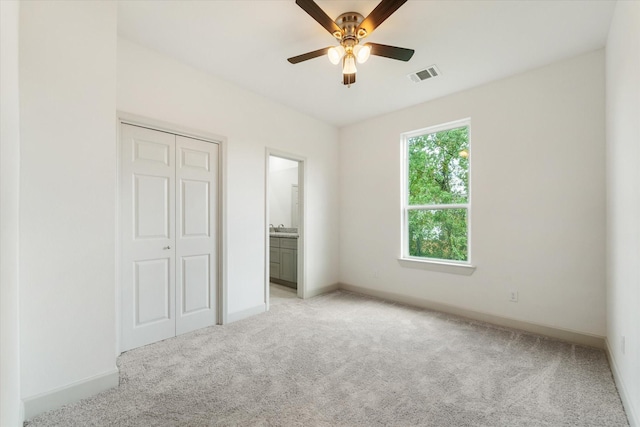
{"x":284,"y":234}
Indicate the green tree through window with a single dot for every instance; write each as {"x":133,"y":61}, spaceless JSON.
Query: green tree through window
{"x":436,"y":211}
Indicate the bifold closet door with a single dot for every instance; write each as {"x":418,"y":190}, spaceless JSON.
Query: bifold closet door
{"x":168,"y":202}
{"x":197,"y":240}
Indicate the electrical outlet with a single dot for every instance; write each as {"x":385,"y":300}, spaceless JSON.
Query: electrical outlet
{"x":513,"y":296}
{"x":623,"y":344}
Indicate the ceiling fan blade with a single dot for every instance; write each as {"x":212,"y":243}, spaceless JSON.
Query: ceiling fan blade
{"x":392,"y":52}
{"x":382,"y":11}
{"x":308,"y":55}
{"x":348,"y":79}
{"x":318,"y":14}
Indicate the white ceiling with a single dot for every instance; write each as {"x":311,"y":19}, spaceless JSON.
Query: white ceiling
{"x":472,"y":42}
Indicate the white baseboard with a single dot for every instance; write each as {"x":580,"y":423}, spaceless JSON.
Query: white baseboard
{"x":558,"y":333}
{"x":21,"y":413}
{"x":632,"y":413}
{"x":323,"y":290}
{"x":243,"y":314}
{"x":73,"y":392}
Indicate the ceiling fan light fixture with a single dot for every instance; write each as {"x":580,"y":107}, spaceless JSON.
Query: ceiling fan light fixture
{"x":362,"y":53}
{"x":335,"y":54}
{"x":349,"y":29}
{"x":349,"y":65}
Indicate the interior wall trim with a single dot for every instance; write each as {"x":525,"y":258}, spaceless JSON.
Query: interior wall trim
{"x":548,"y":331}
{"x":302,"y":215}
{"x":70,"y":393}
{"x":243,"y":314}
{"x":322,"y":290}
{"x":632,"y":413}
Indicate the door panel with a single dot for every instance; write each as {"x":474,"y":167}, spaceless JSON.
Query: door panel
{"x":147,"y":202}
{"x":151,"y":200}
{"x":151,"y":151}
{"x":152,"y":291}
{"x":196,"y":241}
{"x":195,"y":159}
{"x":195,"y":279}
{"x":195,"y":205}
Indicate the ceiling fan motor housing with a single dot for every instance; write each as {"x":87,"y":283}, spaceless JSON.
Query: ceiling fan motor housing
{"x":350,"y":35}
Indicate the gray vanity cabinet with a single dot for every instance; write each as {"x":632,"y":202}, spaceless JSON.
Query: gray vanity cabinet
{"x":283,"y":265}
{"x":274,"y":264}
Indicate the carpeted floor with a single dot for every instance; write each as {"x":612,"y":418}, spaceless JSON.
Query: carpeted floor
{"x":342,"y":359}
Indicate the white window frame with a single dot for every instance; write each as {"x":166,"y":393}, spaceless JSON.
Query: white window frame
{"x":434,"y":264}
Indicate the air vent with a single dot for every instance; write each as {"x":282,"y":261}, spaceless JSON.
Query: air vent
{"x":428,"y":73}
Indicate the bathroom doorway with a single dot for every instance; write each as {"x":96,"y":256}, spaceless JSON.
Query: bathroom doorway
{"x":284,"y":213}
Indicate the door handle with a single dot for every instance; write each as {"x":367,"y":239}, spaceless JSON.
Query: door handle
{"x":166,"y":247}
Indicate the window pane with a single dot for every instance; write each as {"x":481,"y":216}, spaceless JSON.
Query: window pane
{"x":438,"y":233}
{"x":439,"y":167}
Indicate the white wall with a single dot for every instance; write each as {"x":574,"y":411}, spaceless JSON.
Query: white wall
{"x":67,"y":192}
{"x":155,"y":86}
{"x":623,"y":202}
{"x":10,"y":409}
{"x":280,"y":182}
{"x":538,"y":189}
{"x":538,"y":199}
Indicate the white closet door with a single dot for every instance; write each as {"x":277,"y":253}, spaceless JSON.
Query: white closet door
{"x":196,"y":239}
{"x":147,"y":235}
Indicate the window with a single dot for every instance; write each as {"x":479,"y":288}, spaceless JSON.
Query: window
{"x":436,"y":198}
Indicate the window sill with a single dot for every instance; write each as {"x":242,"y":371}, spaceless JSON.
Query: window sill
{"x":439,"y":266}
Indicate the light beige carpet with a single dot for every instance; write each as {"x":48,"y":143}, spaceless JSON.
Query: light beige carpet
{"x":346,"y":360}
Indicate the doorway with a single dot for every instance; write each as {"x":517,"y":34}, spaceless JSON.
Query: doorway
{"x":284,"y":213}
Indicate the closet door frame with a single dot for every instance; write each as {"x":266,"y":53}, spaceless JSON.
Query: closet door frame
{"x":145,"y":122}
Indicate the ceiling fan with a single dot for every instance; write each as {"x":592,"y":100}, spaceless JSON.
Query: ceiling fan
{"x":350,"y":28}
